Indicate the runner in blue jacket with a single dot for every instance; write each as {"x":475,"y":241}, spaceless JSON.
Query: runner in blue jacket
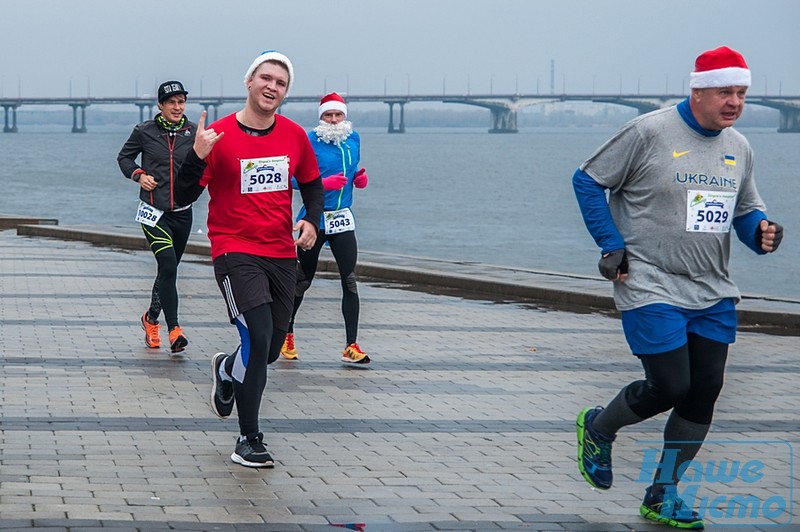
{"x":338,"y":151}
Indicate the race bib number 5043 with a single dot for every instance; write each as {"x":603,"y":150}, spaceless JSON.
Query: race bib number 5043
{"x":339,"y":221}
{"x":266,"y":174}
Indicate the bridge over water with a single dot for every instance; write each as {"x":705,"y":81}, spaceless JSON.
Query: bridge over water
{"x":503,"y":107}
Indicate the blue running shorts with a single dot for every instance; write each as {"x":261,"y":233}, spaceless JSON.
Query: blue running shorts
{"x":659,"y":327}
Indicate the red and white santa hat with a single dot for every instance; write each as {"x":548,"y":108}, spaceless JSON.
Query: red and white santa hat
{"x":271,"y":55}
{"x":720,"y":67}
{"x":332,"y":102}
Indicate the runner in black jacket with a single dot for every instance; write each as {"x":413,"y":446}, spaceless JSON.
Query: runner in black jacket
{"x":163,"y":144}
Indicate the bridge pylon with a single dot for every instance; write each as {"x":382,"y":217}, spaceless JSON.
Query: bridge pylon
{"x":13,"y":127}
{"x":789,"y":121}
{"x":504,"y":120}
{"x":142,"y":107}
{"x":75,"y":127}
{"x":401,"y":128}
{"x":215,"y":107}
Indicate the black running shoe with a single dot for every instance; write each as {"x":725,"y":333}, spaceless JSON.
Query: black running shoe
{"x":221,"y":391}
{"x":667,"y":508}
{"x":252,"y":452}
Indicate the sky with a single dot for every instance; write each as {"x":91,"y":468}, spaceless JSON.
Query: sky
{"x":121,"y":48}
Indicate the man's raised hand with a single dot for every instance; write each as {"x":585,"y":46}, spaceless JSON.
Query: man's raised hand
{"x":205,"y":139}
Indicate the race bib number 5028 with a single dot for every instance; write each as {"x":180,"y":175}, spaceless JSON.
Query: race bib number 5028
{"x":147,"y":214}
{"x":266,"y":174}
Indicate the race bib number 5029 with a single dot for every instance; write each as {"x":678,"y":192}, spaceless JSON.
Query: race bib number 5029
{"x":709,"y":211}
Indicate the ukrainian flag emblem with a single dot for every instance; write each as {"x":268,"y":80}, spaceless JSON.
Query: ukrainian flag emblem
{"x":730,"y":160}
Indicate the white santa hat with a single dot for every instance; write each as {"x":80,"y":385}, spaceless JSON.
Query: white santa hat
{"x":332,"y":102}
{"x":720,"y":67}
{"x":270,"y":55}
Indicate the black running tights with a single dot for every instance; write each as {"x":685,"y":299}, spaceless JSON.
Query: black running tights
{"x":167,"y":242}
{"x":345,"y":251}
{"x":260,"y":346}
{"x":688,"y":379}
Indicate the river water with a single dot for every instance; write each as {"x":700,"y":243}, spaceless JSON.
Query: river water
{"x":449,"y":193}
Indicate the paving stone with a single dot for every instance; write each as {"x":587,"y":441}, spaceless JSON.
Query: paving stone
{"x":465,"y":420}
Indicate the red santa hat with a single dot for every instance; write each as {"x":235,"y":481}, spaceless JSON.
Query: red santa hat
{"x":270,"y":55}
{"x":720,"y":67}
{"x":332,"y":102}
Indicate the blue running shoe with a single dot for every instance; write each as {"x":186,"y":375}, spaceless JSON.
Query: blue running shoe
{"x":594,"y":451}
{"x":667,"y":508}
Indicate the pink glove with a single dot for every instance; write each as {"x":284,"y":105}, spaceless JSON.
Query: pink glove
{"x":334,"y":182}
{"x":361,"y":179}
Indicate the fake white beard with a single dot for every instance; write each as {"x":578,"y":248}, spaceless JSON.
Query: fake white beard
{"x":333,"y":133}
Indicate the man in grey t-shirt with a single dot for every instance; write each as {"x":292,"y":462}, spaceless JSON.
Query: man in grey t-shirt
{"x":678,"y":180}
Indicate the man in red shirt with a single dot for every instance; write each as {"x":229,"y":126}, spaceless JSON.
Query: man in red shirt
{"x":246,"y":161}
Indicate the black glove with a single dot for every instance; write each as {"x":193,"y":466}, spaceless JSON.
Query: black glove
{"x":776,"y":240}
{"x":614,"y":263}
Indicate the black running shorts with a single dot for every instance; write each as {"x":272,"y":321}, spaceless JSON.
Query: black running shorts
{"x":247,"y":281}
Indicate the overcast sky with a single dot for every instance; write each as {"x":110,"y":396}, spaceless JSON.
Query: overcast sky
{"x":367,"y":47}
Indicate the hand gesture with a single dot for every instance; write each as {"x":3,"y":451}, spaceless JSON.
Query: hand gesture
{"x":614,"y":265}
{"x":147,"y":182}
{"x":334,"y":182}
{"x":771,"y":235}
{"x":361,"y":179}
{"x":307,"y":234}
{"x":205,"y":139}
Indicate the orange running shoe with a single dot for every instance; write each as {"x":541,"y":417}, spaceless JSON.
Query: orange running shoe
{"x":354,"y":355}
{"x":177,"y":340}
{"x":152,"y":338}
{"x":289,"y":350}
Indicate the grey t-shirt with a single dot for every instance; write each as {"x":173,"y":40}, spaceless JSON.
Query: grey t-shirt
{"x":673,"y":195}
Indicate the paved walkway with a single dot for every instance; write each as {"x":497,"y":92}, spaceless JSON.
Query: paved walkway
{"x":465,"y":420}
{"x":564,"y":291}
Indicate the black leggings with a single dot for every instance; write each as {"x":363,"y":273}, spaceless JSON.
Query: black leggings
{"x":260,"y":346}
{"x":688,"y":380}
{"x":345,"y":251}
{"x":167,"y":241}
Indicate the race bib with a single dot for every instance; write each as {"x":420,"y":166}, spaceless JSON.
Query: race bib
{"x":709,"y":211}
{"x":267,"y":174}
{"x":339,"y":221}
{"x":147,"y":214}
